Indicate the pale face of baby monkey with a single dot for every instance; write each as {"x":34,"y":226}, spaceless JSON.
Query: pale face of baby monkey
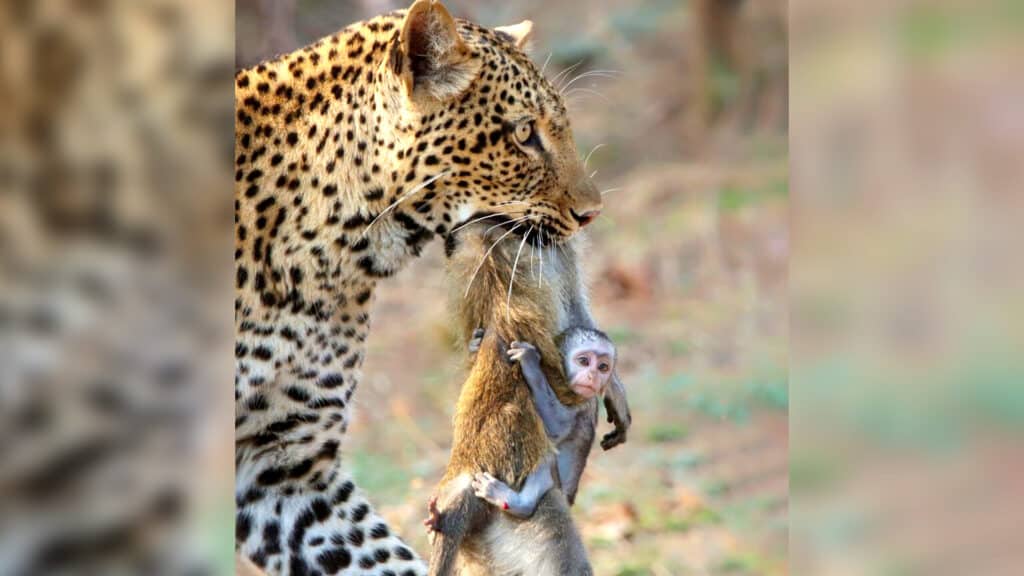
{"x":589,"y":361}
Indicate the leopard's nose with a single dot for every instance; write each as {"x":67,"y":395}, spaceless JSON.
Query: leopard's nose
{"x":586,"y":217}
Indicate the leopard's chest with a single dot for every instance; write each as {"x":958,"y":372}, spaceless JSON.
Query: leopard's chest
{"x":296,"y":370}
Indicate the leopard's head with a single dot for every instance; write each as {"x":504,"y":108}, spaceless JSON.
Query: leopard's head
{"x":491,"y":125}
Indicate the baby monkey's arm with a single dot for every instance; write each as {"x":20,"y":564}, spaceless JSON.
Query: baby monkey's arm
{"x":522,"y":503}
{"x":618,"y":413}
{"x":557,"y":417}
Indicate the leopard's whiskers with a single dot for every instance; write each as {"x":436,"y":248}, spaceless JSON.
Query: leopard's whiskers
{"x":513,"y":221}
{"x":540,"y":277}
{"x":590,"y":74}
{"x":510,"y":202}
{"x":405,"y":197}
{"x":591,"y":153}
{"x":512,"y":277}
{"x":533,"y":256}
{"x":475,"y":220}
{"x":486,"y":256}
{"x":564,"y":73}
{"x":587,"y":91}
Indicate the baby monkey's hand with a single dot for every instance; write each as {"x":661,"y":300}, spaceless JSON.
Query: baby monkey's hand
{"x":615,"y":437}
{"x":621,"y":421}
{"x":524,"y":353}
{"x":492,"y":490}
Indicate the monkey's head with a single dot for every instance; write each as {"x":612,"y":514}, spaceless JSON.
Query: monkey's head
{"x":589,"y":357}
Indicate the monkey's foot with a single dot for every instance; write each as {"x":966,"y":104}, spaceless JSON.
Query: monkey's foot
{"x":613,"y":438}
{"x":492,"y":490}
{"x":476,"y":340}
{"x":523,"y":352}
{"x":433,"y":520}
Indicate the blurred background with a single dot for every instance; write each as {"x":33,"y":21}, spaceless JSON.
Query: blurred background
{"x":687,"y":121}
{"x":116,"y":324}
{"x":907,"y":290}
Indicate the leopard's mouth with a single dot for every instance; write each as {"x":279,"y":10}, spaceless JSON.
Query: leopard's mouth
{"x":546,"y":233}
{"x":536,"y":232}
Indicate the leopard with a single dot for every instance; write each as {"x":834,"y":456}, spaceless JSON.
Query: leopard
{"x":351,"y":154}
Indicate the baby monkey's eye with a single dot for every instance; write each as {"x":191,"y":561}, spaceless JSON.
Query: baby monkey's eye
{"x":526,"y":134}
{"x":583,"y":360}
{"x":604,"y":367}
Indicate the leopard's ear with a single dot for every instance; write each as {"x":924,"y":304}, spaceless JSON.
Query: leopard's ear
{"x":435,"y":62}
{"x":518,"y":34}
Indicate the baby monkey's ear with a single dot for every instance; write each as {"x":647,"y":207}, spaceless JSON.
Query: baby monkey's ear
{"x":518,"y":34}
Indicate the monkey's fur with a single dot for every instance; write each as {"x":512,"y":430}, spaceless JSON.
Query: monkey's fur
{"x":572,"y":428}
{"x":495,"y":404}
{"x":497,"y":429}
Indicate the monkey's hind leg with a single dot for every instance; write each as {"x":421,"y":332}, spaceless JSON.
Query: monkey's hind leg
{"x":458,"y":512}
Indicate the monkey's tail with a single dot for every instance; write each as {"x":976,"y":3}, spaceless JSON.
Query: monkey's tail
{"x":442,"y":557}
{"x":458,"y":517}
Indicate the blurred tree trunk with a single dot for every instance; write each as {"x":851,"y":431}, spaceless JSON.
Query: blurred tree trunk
{"x":738,"y":63}
{"x":716,"y":38}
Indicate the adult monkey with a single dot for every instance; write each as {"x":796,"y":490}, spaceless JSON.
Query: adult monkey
{"x":498,"y":433}
{"x":350,"y":155}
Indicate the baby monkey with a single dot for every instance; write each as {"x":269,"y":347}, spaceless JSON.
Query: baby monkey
{"x":589,"y":359}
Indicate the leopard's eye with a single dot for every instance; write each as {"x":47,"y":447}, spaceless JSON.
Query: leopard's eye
{"x":526,"y":136}
{"x":524,"y":130}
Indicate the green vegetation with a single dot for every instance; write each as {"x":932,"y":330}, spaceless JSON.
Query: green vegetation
{"x":379,"y":473}
{"x":734,"y":198}
{"x":742,"y":564}
{"x":813,"y":473}
{"x":667,"y":432}
{"x":927,"y":30}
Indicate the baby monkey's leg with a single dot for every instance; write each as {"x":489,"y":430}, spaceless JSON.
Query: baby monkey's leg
{"x":522,"y":503}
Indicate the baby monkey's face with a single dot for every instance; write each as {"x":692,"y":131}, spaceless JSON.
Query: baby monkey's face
{"x":589,"y":366}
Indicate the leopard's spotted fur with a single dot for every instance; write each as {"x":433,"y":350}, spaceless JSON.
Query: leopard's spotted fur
{"x":351,"y":154}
